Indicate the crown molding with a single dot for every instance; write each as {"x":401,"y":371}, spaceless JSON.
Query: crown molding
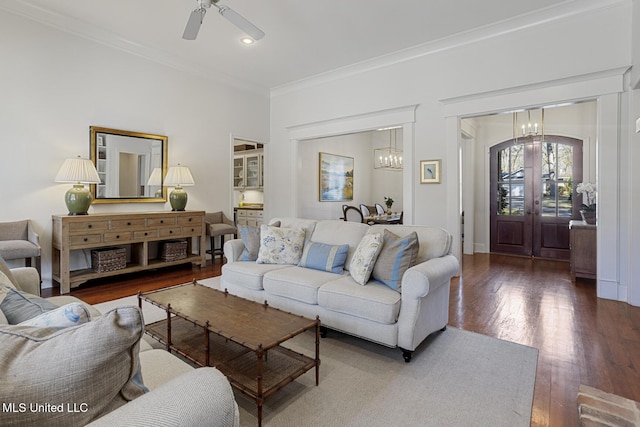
{"x":84,"y":30}
{"x":529,"y":20}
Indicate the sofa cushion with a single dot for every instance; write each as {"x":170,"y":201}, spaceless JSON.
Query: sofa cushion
{"x":248,"y":274}
{"x":93,"y":366}
{"x":308,"y":225}
{"x":297,"y":283}
{"x":251,"y":238}
{"x":323,"y":257}
{"x":72,"y":314}
{"x":338,"y":233}
{"x":376,"y":301}
{"x":19,"y":306}
{"x":396,"y":256}
{"x":280,"y":245}
{"x":364,"y":257}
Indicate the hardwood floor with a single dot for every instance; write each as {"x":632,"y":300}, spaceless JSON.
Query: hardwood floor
{"x":581,"y":339}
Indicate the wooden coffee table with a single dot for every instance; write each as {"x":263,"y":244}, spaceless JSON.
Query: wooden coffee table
{"x":241,"y":338}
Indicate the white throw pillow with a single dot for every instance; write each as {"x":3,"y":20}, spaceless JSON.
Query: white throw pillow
{"x":364,"y":257}
{"x":280,"y":245}
{"x":72,"y":314}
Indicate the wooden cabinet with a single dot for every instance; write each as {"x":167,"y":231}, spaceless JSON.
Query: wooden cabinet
{"x":583,"y":244}
{"x":249,"y":217}
{"x":139,"y":232}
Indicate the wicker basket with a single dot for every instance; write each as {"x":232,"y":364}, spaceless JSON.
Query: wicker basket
{"x":108,"y":259}
{"x":173,"y":250}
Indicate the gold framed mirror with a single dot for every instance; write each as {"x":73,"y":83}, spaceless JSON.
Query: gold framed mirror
{"x":131,"y":165}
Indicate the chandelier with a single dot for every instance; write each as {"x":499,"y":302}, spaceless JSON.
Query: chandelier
{"x":528,"y":128}
{"x":388,"y":157}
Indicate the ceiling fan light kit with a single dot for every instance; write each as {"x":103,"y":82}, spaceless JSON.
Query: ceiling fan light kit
{"x":197,"y":16}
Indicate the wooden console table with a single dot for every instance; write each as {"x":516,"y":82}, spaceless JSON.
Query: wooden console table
{"x":136,"y":231}
{"x":584,"y":257}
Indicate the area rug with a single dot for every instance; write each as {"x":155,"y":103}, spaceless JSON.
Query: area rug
{"x":456,"y":378}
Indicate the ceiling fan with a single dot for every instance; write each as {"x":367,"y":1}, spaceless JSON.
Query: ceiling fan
{"x":196,"y":17}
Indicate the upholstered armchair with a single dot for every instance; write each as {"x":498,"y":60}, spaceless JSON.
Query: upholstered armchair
{"x":18,"y":240}
{"x":218,"y":225}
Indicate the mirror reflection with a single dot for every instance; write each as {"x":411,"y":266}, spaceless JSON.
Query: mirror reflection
{"x":131,"y":165}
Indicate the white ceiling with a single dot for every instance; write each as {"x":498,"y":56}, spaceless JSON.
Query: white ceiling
{"x":303,"y":38}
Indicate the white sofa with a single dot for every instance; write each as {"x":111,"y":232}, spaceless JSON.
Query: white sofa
{"x":178,"y":395}
{"x":375,"y":311}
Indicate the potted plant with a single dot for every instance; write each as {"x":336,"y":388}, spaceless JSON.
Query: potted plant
{"x":588,"y":209}
{"x":389,"y":202}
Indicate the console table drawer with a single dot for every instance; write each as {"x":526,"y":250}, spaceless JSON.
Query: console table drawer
{"x":191,"y":231}
{"x":170,"y":232}
{"x":83,"y":226}
{"x":127,"y":223}
{"x":147,"y":234}
{"x":86,"y":239}
{"x":120,"y":236}
{"x":154,"y":222}
{"x":190,"y":220}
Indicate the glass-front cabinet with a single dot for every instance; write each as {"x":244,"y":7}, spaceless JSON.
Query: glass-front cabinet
{"x":247,"y":171}
{"x":238,"y":172}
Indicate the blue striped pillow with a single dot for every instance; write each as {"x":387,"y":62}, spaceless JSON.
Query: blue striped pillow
{"x":321,"y":256}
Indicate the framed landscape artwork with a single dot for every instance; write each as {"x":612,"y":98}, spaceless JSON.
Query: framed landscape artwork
{"x":336,"y":178}
{"x":429,"y":171}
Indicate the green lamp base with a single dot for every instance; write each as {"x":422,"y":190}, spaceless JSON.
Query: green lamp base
{"x":178,"y":199}
{"x":78,"y":199}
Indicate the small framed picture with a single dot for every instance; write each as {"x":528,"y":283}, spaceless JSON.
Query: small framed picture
{"x":429,"y":171}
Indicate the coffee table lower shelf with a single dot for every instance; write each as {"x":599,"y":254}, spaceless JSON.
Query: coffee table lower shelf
{"x":241,"y":365}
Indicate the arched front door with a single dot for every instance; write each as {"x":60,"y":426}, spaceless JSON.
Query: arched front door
{"x":532,"y":196}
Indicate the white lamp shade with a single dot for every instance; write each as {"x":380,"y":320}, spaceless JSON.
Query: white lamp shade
{"x":156,"y":177}
{"x":78,"y":170}
{"x":178,"y":176}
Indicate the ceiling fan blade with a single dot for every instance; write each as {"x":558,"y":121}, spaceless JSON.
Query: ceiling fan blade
{"x":193,"y":24}
{"x":241,"y":22}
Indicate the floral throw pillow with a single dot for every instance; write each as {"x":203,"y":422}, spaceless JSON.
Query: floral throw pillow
{"x":72,"y":314}
{"x":280,"y":245}
{"x":364,"y":258}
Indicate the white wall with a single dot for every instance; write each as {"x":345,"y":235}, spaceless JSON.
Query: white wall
{"x":55,"y":85}
{"x":558,"y":50}
{"x":370,"y":185}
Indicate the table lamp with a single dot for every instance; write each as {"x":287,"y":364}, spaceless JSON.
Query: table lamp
{"x":79,"y":171}
{"x":155,"y":180}
{"x":178,"y":176}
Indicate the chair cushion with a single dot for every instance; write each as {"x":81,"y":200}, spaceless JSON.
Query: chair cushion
{"x":17,"y":249}
{"x":297,"y":283}
{"x":221,"y":229}
{"x":279,"y":245}
{"x":376,"y":301}
{"x":364,"y":258}
{"x":323,"y":257}
{"x":93,"y":366}
{"x":396,"y":256}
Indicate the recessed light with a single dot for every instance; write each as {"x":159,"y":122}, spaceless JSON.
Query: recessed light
{"x":247,"y":40}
